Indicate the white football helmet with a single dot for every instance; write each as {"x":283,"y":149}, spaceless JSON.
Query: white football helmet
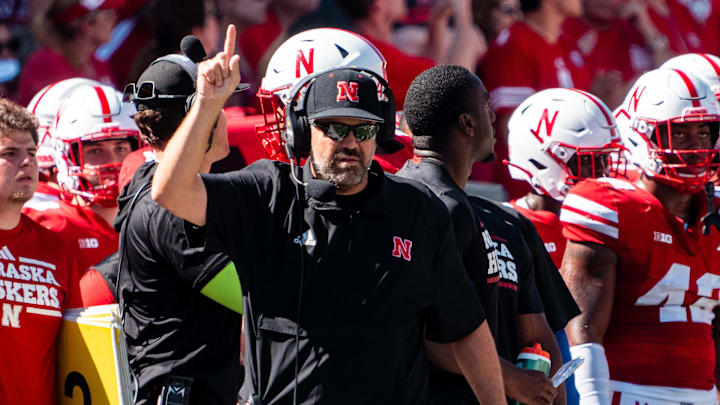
{"x":45,"y":105}
{"x":92,"y":113}
{"x":303,"y":54}
{"x":657,"y":100}
{"x":704,"y":66}
{"x":555,"y":134}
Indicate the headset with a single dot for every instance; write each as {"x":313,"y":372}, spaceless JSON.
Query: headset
{"x":297,"y":125}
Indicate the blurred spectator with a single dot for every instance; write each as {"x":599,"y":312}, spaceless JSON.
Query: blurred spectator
{"x":255,"y":40}
{"x":130,"y":36}
{"x":374,"y":19}
{"x":70,"y":33}
{"x":707,"y":14}
{"x":676,"y":25}
{"x":616,"y":49}
{"x":9,"y":61}
{"x":168,"y":21}
{"x":523,"y":59}
{"x":493,"y":16}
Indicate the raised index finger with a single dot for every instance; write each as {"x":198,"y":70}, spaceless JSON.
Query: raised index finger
{"x":229,"y":43}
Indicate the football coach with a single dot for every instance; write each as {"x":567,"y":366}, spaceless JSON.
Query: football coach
{"x":345,"y":269}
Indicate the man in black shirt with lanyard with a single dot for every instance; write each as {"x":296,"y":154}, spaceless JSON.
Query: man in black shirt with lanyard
{"x":345,"y":270}
{"x":182,"y":305}
{"x":447,"y":110}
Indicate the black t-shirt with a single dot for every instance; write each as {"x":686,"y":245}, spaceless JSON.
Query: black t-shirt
{"x":376,"y":280}
{"x":560,"y":307}
{"x":170,"y":327}
{"x":518,"y":292}
{"x":473,"y":240}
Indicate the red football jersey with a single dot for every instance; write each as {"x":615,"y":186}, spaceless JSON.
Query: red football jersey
{"x":549,"y":228}
{"x":660,"y":331}
{"x":520,"y":62}
{"x":620,"y":47}
{"x":85,"y":232}
{"x":38,"y":279}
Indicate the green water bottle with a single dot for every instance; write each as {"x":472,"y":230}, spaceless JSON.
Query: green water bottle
{"x":533,"y":358}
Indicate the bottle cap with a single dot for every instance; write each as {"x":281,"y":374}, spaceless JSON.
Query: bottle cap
{"x":536,"y":349}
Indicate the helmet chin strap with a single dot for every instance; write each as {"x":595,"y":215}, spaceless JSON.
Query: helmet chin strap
{"x":711,"y":217}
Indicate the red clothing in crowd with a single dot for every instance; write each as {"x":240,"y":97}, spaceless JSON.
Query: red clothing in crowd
{"x":47,"y":66}
{"x":85,"y":232}
{"x":619,"y":47}
{"x":402,"y":68}
{"x":255,"y":40}
{"x":519,"y":63}
{"x":38,"y":277}
{"x":707,"y":14}
{"x":682,"y":31}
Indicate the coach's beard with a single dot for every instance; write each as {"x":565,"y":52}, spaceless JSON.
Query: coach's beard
{"x":343,"y":177}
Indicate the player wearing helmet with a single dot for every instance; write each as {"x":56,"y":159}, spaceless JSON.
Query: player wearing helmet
{"x":558,"y":137}
{"x":641,"y":258}
{"x":93,"y":132}
{"x":310,"y":52}
{"x":704,"y":66}
{"x":44,"y":106}
{"x":707,"y":68}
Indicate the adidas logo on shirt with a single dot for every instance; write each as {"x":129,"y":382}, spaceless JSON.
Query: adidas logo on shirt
{"x":6,"y":255}
{"x":307,"y":239}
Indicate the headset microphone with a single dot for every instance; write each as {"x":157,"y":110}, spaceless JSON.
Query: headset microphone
{"x":193,"y":48}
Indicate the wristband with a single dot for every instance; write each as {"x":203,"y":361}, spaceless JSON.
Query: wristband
{"x":592,"y":379}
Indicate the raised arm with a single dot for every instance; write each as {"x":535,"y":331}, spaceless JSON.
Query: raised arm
{"x":590,"y":271}
{"x":177,"y":185}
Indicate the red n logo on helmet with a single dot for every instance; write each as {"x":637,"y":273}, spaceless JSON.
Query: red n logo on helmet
{"x":549,"y":124}
{"x":348,"y":91}
{"x":635,"y":98}
{"x":402,"y":248}
{"x":307,"y":63}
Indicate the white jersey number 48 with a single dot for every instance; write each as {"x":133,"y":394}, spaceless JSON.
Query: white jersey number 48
{"x":670,"y":293}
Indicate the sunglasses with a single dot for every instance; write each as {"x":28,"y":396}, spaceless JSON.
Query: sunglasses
{"x":146,"y":91}
{"x":337,"y":131}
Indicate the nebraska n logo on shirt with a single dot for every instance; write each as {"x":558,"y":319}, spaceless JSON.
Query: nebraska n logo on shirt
{"x":402,"y":248}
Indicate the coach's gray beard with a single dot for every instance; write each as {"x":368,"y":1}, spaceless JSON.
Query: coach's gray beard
{"x":343,"y":178}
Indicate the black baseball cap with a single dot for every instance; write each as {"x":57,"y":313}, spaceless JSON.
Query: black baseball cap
{"x":173,"y":75}
{"x":344,"y":93}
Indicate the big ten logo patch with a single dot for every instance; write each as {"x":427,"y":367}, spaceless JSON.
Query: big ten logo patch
{"x":88,"y":243}
{"x":27,"y":286}
{"x":493,"y":276}
{"x":506,"y":264}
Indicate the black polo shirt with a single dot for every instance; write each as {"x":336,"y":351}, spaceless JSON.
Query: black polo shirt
{"x":380,"y":273}
{"x":473,"y":240}
{"x":170,"y":327}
